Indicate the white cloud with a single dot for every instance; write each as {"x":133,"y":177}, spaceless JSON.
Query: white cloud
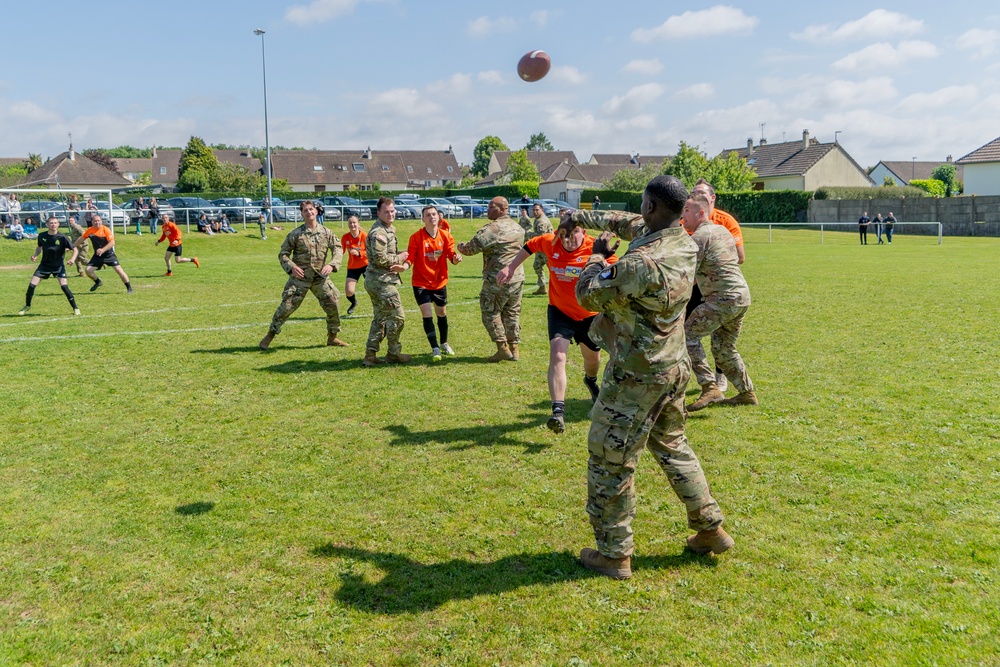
{"x":541,"y":17}
{"x":698,"y":91}
{"x":943,"y":98}
{"x":491,"y":76}
{"x":884,"y":55}
{"x":319,"y":11}
{"x":457,"y":84}
{"x":839,"y":94}
{"x":484,"y":26}
{"x":983,"y":43}
{"x":717,"y":20}
{"x":568,"y":74}
{"x":635,"y":99}
{"x":877,"y":24}
{"x":647,"y":67}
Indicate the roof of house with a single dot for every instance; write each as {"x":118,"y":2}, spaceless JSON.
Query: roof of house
{"x":80,"y":170}
{"x":988,"y":153}
{"x":7,"y":161}
{"x":171,"y":160}
{"x":338,"y":167}
{"x":605,"y":159}
{"x":134,"y":165}
{"x":788,"y":158}
{"x":590,"y":173}
{"x":428,"y":165}
{"x":909,"y":170}
{"x":542,"y":159}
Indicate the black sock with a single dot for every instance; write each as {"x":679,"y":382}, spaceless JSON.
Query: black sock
{"x":558,"y":406}
{"x":69,"y":296}
{"x":443,"y":328}
{"x":27,"y":297}
{"x":353,"y":299}
{"x":429,"y":330}
{"x":128,"y":285}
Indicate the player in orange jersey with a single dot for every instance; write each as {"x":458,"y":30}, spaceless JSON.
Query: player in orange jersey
{"x":173,"y":233}
{"x":430,"y":249}
{"x":353,"y":243}
{"x":103,"y":239}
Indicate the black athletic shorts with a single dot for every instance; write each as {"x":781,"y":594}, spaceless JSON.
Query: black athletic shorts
{"x":45,"y":272}
{"x":99,"y":261}
{"x":176,"y":249}
{"x":356,"y":274}
{"x":564,"y":326}
{"x":439,"y":297}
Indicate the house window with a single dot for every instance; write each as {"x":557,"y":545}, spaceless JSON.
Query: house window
{"x":365,"y":187}
{"x":450,"y":170}
{"x":163,"y":171}
{"x":359,"y":166}
{"x":317,"y":167}
{"x":429,"y":170}
{"x":385,"y":167}
{"x":319,"y":188}
{"x":409,"y":169}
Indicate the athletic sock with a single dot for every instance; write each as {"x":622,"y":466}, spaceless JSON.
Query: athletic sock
{"x":69,"y":296}
{"x":27,"y":297}
{"x":443,"y":328}
{"x":353,"y":299}
{"x":558,"y":406}
{"x":429,"y":330}
{"x":128,"y":285}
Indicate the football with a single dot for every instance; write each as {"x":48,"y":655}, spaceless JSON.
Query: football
{"x":534,"y":65}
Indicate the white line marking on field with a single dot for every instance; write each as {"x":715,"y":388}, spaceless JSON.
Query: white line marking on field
{"x":75,"y":318}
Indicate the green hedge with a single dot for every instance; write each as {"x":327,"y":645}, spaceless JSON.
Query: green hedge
{"x":755,"y":206}
{"x":931,"y":186}
{"x":632,"y":200}
{"x":884,"y":192}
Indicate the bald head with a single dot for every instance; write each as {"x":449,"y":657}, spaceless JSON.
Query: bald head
{"x":498,"y":208}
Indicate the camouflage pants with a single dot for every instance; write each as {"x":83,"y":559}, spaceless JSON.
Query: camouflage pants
{"x":539,"y":266}
{"x":723,"y":323}
{"x":501,"y":307}
{"x":293,"y":294}
{"x":387,"y":322}
{"x":81,"y":260}
{"x":628,"y":416}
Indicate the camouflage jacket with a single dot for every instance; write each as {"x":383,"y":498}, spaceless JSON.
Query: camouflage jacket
{"x":499,"y":240}
{"x":307,"y":248}
{"x":525,"y":223}
{"x":542,"y":226}
{"x":382,"y":253}
{"x":641,"y":298}
{"x":75,"y":230}
{"x":718,"y":271}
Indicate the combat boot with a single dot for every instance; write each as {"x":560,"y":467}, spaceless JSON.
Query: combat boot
{"x":333,"y":341}
{"x":398,"y":358}
{"x":616,"y":568}
{"x":371,"y":359}
{"x":709,"y":394}
{"x":742,"y":398}
{"x":541,"y":290}
{"x":513,"y":352}
{"x":265,"y":342}
{"x":502,"y":354}
{"x":715,"y":541}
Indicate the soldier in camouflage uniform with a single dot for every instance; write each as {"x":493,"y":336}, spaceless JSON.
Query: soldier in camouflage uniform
{"x":726,"y":301}
{"x":385,"y":263}
{"x":499,"y":240}
{"x":641,"y":302}
{"x":541,"y":226}
{"x":75,"y":232}
{"x":303,"y":257}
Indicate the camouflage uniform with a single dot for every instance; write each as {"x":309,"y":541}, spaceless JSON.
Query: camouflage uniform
{"x":727,"y":298}
{"x":542,"y":226}
{"x":381,"y":285}
{"x":307,"y":248}
{"x":640,"y":301}
{"x":75,"y":232}
{"x":499,"y":240}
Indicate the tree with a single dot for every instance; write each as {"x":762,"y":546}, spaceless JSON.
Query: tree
{"x":888,"y":181}
{"x":688,"y":165}
{"x":230,"y":177}
{"x":520,"y":168}
{"x":634,"y":180}
{"x":34,"y":162}
{"x":129,"y":152}
{"x":730,"y":173}
{"x":483,"y":152}
{"x":932,"y":186}
{"x":201,"y":162}
{"x":946,"y":174}
{"x":539,"y":142}
{"x":194,"y":179}
{"x":101,"y":157}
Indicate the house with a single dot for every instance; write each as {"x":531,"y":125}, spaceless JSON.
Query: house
{"x":904,"y":171}
{"x":801,"y":165}
{"x":627,"y":159}
{"x":166,"y":163}
{"x":336,"y":171}
{"x":568,"y":181}
{"x":545,"y":161}
{"x":982,"y":170}
{"x":75,"y":171}
{"x":134,"y":168}
{"x":428,"y":169}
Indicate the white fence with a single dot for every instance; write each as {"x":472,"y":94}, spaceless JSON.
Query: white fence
{"x":842,"y":228}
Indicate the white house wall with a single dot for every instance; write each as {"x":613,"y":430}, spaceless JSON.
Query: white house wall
{"x":982,"y":179}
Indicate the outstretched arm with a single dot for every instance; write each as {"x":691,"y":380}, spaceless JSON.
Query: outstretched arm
{"x":503,"y":277}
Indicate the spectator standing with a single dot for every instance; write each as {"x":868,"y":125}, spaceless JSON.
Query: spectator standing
{"x":89,"y":210}
{"x":890,"y":222}
{"x":137,"y":205}
{"x":4,"y":211}
{"x":153,"y":213}
{"x":878,"y":227}
{"x":863,"y":227}
{"x":73,"y":209}
{"x":15,"y":207}
{"x":597,"y":202}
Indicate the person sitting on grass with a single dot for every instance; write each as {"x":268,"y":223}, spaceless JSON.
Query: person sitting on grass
{"x":16,"y":231}
{"x":204,"y":225}
{"x":224,"y":225}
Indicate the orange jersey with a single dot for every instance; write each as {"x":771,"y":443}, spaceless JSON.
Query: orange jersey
{"x":429,"y":257}
{"x":348,"y":242}
{"x":564,"y":270}
{"x":171,"y":231}
{"x":729,"y":222}
{"x":443,"y":224}
{"x":100,"y":236}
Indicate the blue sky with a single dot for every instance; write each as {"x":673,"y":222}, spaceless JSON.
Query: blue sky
{"x":899,"y":80}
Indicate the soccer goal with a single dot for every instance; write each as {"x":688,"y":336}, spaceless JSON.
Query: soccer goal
{"x":841,"y":233}
{"x":38,"y":205}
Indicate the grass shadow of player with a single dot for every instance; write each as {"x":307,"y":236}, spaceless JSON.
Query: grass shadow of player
{"x":310,"y":366}
{"x":233,"y":350}
{"x":193,"y":509}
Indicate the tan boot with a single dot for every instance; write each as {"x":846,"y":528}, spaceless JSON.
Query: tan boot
{"x":333,"y":341}
{"x":709,"y":394}
{"x":616,"y":568}
{"x":371,"y":359}
{"x":502,"y":354}
{"x":541,"y":290}
{"x":398,"y":358}
{"x":715,"y":541}
{"x":265,"y":342}
{"x":743,"y":398}
{"x":513,"y":352}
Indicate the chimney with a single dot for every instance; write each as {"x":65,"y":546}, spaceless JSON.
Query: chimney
{"x":805,"y":139}
{"x":449,"y":148}
{"x":949,"y":158}
{"x":72,"y":153}
{"x":154,"y":151}
{"x":763,"y":141}
{"x":368,"y":153}
{"x":749,"y":146}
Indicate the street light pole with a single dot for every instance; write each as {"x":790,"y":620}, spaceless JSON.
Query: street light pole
{"x":267,"y":140}
{"x":913,"y":167}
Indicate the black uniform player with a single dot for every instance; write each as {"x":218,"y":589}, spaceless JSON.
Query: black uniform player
{"x":52,"y":246}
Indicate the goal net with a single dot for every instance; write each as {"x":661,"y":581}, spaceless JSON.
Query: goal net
{"x":39,"y":204}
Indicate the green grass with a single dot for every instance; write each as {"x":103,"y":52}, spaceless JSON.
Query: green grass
{"x":174,"y":496}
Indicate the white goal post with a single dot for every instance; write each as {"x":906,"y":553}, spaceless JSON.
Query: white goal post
{"x":109,"y":214}
{"x":842,"y":227}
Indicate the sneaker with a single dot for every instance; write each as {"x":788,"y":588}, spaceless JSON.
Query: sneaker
{"x":168,"y":274}
{"x":721,"y":381}
{"x":557,"y":422}
{"x":24,"y":311}
{"x":744,"y":398}
{"x":616,"y":568}
{"x":129,"y":290}
{"x":197,"y":265}
{"x":93,"y":288}
{"x":592,"y":387}
{"x":76,"y":311}
{"x":709,"y":394}
{"x":350,"y":311}
{"x":446,"y":349}
{"x":436,"y":354}
{"x":714,"y":541}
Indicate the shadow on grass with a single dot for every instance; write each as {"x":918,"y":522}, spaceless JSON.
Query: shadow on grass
{"x":233,"y":350}
{"x":491,"y":435}
{"x":307,"y":366}
{"x":193,"y":509}
{"x":410,"y":586}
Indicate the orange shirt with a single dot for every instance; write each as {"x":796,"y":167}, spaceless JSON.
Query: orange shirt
{"x":100,"y":236}
{"x":348,"y":242}
{"x":729,"y":222}
{"x":564,"y":270}
{"x":171,"y":231}
{"x":429,"y":257}
{"x":443,"y":224}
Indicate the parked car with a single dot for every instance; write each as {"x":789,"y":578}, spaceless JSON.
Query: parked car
{"x":551,"y":210}
{"x":237,"y":209}
{"x":280,"y":211}
{"x":162,"y":204}
{"x":328,"y":213}
{"x":189,"y":209}
{"x":470,"y":207}
{"x":558,"y":203}
{"x":408,"y":207}
{"x":40,"y":210}
{"x":347,"y":206}
{"x":444,"y":207}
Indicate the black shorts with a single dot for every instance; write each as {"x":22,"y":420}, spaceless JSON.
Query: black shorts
{"x":356,"y":274}
{"x":45,"y":272}
{"x":99,"y":261}
{"x":564,"y":326}
{"x":176,"y":249}
{"x":439,"y":297}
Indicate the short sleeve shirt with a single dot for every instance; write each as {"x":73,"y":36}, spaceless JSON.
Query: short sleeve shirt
{"x":54,"y":249}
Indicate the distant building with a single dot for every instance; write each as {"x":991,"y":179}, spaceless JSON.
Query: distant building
{"x":133,"y":168}
{"x":74,"y":170}
{"x":626,"y":159}
{"x":166,"y":163}
{"x":545,"y":161}
{"x":336,"y":171}
{"x":568,"y":181}
{"x":904,"y":171}
{"x":982,"y":169}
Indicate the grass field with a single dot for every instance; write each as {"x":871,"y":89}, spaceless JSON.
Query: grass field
{"x":174,"y":496}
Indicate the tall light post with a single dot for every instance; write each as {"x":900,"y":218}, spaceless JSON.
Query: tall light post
{"x":267,"y":140}
{"x":913,"y":167}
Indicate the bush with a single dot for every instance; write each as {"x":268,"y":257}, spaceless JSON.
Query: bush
{"x":766,"y":205}
{"x":889,"y":192}
{"x":932,"y":186}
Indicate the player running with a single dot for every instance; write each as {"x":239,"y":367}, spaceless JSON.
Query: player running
{"x":103,"y":239}
{"x":52,"y":246}
{"x":568,"y":320}
{"x":353,"y":243}
{"x":430,"y":249}
{"x":173,"y":233}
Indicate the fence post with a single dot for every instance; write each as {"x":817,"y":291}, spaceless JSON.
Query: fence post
{"x":940,"y":232}
{"x":769,"y":233}
{"x":821,"y":241}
